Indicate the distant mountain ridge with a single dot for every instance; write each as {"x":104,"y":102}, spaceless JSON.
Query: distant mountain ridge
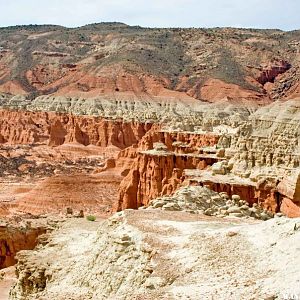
{"x":259,"y":65}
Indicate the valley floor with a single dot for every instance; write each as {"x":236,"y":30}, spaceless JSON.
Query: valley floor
{"x":8,"y":277}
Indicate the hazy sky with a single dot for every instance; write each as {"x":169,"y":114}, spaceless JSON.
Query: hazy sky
{"x":154,"y":13}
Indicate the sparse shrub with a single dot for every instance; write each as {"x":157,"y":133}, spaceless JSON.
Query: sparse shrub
{"x":91,"y":218}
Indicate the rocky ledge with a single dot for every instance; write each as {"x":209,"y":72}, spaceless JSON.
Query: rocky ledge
{"x":202,"y":200}
{"x":160,"y":254}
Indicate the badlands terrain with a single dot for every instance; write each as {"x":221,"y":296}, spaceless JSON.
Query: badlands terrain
{"x":182,"y":144}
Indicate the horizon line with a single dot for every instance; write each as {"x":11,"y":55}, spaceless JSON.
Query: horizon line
{"x":145,"y":27}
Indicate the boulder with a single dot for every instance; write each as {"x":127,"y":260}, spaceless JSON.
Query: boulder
{"x":234,"y":209}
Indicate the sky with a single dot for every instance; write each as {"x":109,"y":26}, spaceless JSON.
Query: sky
{"x":280,"y":14}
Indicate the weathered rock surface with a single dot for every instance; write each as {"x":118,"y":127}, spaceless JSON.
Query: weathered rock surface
{"x":249,"y":156}
{"x":157,"y":172}
{"x":95,"y":194}
{"x":56,"y":129}
{"x":289,"y":208}
{"x":112,"y":59}
{"x":202,"y":200}
{"x":119,"y":258}
{"x":162,"y":254}
{"x":266,"y":150}
{"x":14,"y":238}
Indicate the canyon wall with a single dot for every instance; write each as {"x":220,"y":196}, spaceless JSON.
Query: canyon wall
{"x":14,"y":239}
{"x":24,"y":127}
{"x":159,"y":171}
{"x":152,"y":175}
{"x":266,"y":150}
{"x":179,"y":142}
{"x":266,"y":196}
{"x":154,"y":156}
{"x":261,"y":161}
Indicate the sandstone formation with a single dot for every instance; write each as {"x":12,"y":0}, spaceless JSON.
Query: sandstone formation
{"x":90,"y":193}
{"x":256,"y":159}
{"x":16,"y":238}
{"x":154,"y":173}
{"x":167,"y":254}
{"x":219,"y":150}
{"x":57,"y":129}
{"x":198,"y":199}
{"x":193,"y":133}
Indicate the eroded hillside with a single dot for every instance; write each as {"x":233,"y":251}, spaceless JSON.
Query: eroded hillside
{"x":113,"y":58}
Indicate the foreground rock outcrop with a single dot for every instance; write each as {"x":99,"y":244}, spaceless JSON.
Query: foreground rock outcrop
{"x":159,"y":254}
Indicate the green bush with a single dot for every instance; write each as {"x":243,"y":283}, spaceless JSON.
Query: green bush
{"x":91,"y":218}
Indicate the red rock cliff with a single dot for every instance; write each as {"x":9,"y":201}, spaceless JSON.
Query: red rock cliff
{"x":13,"y":240}
{"x":153,"y":175}
{"x":26,"y":127}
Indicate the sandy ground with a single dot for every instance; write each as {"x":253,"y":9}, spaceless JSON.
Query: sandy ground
{"x":8,"y":278}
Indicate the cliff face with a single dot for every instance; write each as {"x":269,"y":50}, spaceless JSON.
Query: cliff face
{"x":267,"y":151}
{"x":179,"y":142}
{"x":14,"y":239}
{"x":37,"y":145}
{"x":153,"y":157}
{"x":150,"y":173}
{"x":153,"y":175}
{"x":20,"y":127}
{"x":159,"y":171}
{"x":156,"y":174}
{"x":261,"y":164}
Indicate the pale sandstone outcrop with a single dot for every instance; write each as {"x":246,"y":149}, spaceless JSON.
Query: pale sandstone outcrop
{"x":111,"y":259}
{"x":267,"y":149}
{"x":202,"y":200}
{"x":153,"y":254}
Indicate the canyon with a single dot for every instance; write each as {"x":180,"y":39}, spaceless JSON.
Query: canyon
{"x":149,"y":145}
